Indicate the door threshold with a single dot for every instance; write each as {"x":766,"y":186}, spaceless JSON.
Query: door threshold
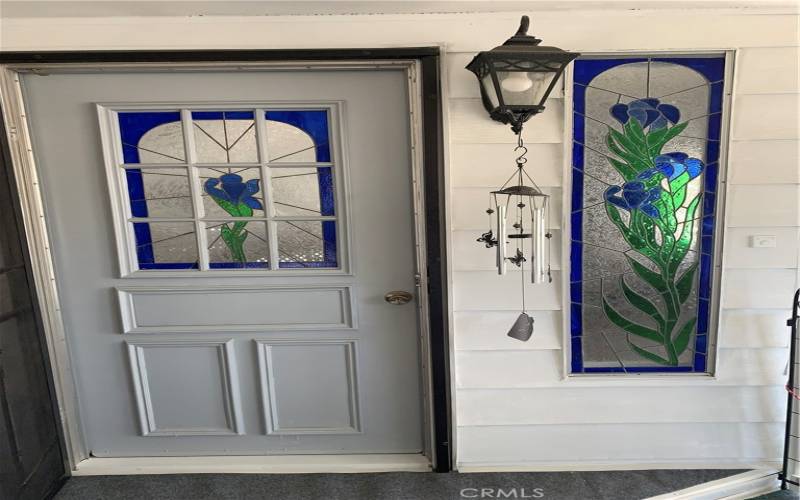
{"x":274,"y":464}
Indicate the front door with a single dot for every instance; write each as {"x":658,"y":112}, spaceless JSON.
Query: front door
{"x":223,"y":243}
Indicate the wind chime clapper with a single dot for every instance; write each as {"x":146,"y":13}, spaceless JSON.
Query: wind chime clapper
{"x":527,"y":208}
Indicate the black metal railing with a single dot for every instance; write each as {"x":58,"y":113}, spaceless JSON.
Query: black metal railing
{"x":791,"y":394}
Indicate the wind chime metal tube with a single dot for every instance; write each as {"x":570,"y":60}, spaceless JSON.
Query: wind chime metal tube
{"x":501,"y":238}
{"x":540,"y":257}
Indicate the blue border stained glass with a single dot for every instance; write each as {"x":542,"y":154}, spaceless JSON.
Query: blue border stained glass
{"x":315,"y":124}
{"x":585,"y":71}
{"x":134,"y":125}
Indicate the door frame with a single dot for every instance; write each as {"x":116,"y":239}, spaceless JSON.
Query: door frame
{"x":422,"y":67}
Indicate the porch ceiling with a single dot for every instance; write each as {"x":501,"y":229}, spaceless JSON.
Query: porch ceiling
{"x":120,"y":8}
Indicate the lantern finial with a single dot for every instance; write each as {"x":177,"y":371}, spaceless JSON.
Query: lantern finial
{"x":521,"y":37}
{"x":524,"y":24}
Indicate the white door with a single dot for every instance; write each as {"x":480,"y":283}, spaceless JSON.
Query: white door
{"x":223,"y":243}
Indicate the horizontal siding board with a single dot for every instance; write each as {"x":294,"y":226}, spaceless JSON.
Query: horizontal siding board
{"x":763,"y":205}
{"x":488,"y":291}
{"x":490,"y":165}
{"x":739,"y":254}
{"x":619,"y":405}
{"x":470,"y":123}
{"x":486,"y":331}
{"x":751,"y":366}
{"x":758,"y":288}
{"x":764,"y":162}
{"x":742,"y":328}
{"x":619,"y":442}
{"x":462,"y":83}
{"x":767,"y":69}
{"x":508,"y":369}
{"x":468,"y":208}
{"x":766,"y":117}
{"x":469,"y":255}
{"x":526,"y":369}
{"x":589,"y":30}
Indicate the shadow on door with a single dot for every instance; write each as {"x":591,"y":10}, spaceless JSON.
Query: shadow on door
{"x":31,"y":463}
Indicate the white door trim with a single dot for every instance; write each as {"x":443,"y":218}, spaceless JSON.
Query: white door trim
{"x":36,"y":233}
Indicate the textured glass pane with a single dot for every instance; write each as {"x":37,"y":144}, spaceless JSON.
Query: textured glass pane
{"x":667,"y":79}
{"x":151,"y":137}
{"x":598,"y":229}
{"x":303,"y":191}
{"x":298,"y":136}
{"x":599,"y":262}
{"x":629,"y":80}
{"x":307,"y":243}
{"x":643,"y":220}
{"x":598,"y":167}
{"x":166,"y":245}
{"x":240,"y":244}
{"x":598,"y":349}
{"x":234,"y":192}
{"x":695,"y":102}
{"x":595,"y":136}
{"x":598,"y":104}
{"x":159,"y":192}
{"x":225,"y":137}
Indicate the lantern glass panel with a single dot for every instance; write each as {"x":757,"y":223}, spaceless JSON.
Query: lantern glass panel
{"x":522,"y":88}
{"x":491,"y":93}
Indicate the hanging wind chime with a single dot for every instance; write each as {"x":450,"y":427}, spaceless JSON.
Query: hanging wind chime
{"x":515,"y":80}
{"x":526,"y":208}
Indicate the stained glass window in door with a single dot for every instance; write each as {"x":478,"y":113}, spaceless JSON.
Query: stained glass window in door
{"x":303,"y":196}
{"x":644,"y":196}
{"x":224,"y":137}
{"x":214,"y":196}
{"x":298,"y":136}
{"x":303,"y":191}
{"x":237,"y":244}
{"x":305,"y":243}
{"x":166,"y":245}
{"x":151,"y":137}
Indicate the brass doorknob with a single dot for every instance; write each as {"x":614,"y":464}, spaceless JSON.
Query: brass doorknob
{"x":398,"y":297}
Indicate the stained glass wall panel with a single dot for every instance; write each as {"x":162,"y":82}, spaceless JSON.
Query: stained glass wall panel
{"x":644,"y":185}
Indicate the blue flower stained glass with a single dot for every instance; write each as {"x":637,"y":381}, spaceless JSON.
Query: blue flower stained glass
{"x":227,"y":160}
{"x":644,"y":180}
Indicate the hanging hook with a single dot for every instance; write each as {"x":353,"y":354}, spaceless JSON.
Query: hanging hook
{"x":521,"y":160}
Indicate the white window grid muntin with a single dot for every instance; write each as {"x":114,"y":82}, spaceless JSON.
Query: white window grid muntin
{"x":129,"y":263}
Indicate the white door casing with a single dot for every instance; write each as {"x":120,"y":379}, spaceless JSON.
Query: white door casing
{"x":210,"y":346}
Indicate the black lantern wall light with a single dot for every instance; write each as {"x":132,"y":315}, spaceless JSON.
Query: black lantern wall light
{"x":516,"y":79}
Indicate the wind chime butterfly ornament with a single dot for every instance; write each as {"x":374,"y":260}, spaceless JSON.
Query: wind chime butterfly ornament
{"x":515,"y":80}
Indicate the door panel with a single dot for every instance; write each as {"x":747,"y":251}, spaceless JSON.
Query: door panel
{"x":185,"y":343}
